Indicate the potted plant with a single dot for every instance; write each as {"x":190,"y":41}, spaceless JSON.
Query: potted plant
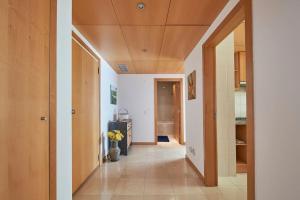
{"x":114,"y":152}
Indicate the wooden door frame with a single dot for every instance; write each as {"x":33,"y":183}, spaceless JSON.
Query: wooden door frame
{"x":52,"y":102}
{"x":180,"y":81}
{"x":242,"y":11}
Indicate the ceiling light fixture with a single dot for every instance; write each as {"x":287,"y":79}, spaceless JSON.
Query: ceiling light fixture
{"x":140,"y":5}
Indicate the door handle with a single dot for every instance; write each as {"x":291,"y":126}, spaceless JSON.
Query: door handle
{"x":73,"y":112}
{"x":43,"y":118}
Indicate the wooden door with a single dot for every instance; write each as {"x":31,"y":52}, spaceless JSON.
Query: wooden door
{"x":24,"y":99}
{"x":86,"y":123}
{"x":177,"y":110}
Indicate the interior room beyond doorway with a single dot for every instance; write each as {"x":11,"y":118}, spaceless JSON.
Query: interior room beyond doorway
{"x":168,"y":111}
{"x":231,"y":109}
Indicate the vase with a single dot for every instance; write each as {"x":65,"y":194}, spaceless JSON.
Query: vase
{"x":114,"y":151}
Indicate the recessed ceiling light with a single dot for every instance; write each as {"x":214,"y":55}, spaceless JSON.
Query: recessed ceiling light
{"x":140,"y":5}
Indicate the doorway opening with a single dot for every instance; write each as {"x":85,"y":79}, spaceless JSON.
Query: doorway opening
{"x":241,"y":127}
{"x":168,"y":110}
{"x":231,"y":109}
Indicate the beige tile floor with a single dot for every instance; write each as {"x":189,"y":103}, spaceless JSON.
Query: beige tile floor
{"x":156,"y":173}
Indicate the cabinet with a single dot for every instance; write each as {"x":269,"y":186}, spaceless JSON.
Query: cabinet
{"x":241,"y":146}
{"x":85,"y":118}
{"x":126,"y":129}
{"x":239,"y":68}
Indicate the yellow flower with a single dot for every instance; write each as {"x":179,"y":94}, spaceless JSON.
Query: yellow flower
{"x":115,"y":135}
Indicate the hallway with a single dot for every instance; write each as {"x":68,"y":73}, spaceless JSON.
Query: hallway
{"x":156,"y":173}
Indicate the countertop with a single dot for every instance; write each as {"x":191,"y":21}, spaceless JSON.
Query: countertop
{"x":240,"y":121}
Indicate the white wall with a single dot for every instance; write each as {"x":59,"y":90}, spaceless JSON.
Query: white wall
{"x":108,"y":77}
{"x":276,"y":32}
{"x":240,"y":103}
{"x":194,"y":108}
{"x":226,"y":144}
{"x":64,"y":101}
{"x":136,"y":94}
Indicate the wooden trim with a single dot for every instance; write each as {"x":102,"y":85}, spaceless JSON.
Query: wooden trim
{"x":250,"y":100}
{"x":194,"y":168}
{"x":209,"y":124}
{"x":83,"y":44}
{"x":143,"y":143}
{"x":155,"y":110}
{"x":52,"y":101}
{"x":180,"y":80}
{"x":181,"y":135}
{"x":242,"y":11}
{"x":233,"y":19}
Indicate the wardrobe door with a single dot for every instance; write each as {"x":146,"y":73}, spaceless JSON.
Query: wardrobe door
{"x":24,"y":99}
{"x":86,"y":121}
{"x":77,"y":122}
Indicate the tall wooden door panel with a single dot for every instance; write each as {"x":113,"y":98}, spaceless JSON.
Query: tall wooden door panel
{"x":177,"y":110}
{"x":24,"y":99}
{"x":85,"y":114}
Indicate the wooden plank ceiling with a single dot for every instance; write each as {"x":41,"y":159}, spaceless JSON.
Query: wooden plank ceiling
{"x":155,"y":39}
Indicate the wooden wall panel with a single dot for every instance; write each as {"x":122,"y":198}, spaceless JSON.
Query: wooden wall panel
{"x":86,"y":130}
{"x":24,"y":99}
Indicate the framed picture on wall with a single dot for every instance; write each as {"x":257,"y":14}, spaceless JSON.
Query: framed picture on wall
{"x":192,"y":85}
{"x":113,"y":95}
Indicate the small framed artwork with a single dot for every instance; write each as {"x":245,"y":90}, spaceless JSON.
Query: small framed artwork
{"x":192,"y":85}
{"x":113,"y":95}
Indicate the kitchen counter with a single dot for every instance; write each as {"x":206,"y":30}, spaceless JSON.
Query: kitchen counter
{"x":240,"y":121}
